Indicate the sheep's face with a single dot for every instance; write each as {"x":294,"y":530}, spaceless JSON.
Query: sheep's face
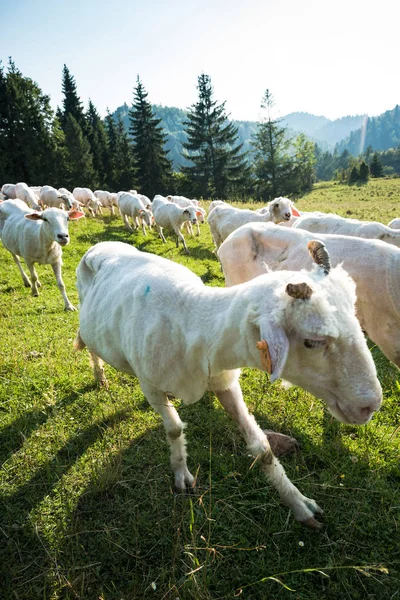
{"x":190,"y":214}
{"x":55,"y":223}
{"x":326,"y":352}
{"x":146,"y":216}
{"x":280,"y":209}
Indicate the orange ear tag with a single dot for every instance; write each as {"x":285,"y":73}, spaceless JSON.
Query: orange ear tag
{"x":265,"y":356}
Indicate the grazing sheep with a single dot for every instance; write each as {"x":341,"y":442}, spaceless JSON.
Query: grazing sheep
{"x":184,"y":203}
{"x":24,"y":193}
{"x":53,"y":198}
{"x":105,"y":199}
{"x":88,"y":199}
{"x":225,"y":219}
{"x":374,"y":266}
{"x":131,"y":206}
{"x":171,"y":216}
{"x":300,"y":326}
{"x":330,"y":223}
{"x":8,"y":189}
{"x":37,"y":237}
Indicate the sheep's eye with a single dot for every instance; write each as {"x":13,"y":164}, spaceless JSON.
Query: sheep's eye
{"x":314,"y":343}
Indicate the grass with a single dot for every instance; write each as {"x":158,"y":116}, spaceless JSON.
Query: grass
{"x":87,"y":505}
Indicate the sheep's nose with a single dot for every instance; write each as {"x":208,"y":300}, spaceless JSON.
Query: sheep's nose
{"x":62,"y":237}
{"x":288,"y":215}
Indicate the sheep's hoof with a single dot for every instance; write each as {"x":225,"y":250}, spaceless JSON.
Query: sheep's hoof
{"x":281,"y":444}
{"x":27,"y":284}
{"x":311,"y":522}
{"x":70,"y":307}
{"x":185,"y":483}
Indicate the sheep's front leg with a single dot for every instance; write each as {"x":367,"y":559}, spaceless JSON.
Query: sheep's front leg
{"x":304,"y":509}
{"x":25,"y":278}
{"x":175,"y":437}
{"x":161,"y":234}
{"x":57,"y":272}
{"x":126,"y":221}
{"x":179,"y":236}
{"x":35,"y":279}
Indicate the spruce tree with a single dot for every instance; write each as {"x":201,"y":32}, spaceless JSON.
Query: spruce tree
{"x":72,"y":104}
{"x":121,"y":170}
{"x":354,"y":175}
{"x":98,"y":144}
{"x":375,"y":167}
{"x":154,"y":169}
{"x":273,"y":166}
{"x":78,"y":156}
{"x":219,"y":167}
{"x":364,"y":171}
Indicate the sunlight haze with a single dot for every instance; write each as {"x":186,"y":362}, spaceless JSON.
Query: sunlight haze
{"x":325,"y":58}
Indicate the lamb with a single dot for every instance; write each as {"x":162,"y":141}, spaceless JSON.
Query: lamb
{"x":225,"y":219}
{"x":184,"y":203}
{"x":170,"y":216}
{"x":374,"y":266}
{"x":300,"y":326}
{"x":331,"y":223}
{"x":8,"y":189}
{"x":105,"y":199}
{"x":88,"y":199}
{"x":394,"y":224}
{"x":52,"y":198}
{"x":36,"y":237}
{"x":24,"y":193}
{"x":131,"y":206}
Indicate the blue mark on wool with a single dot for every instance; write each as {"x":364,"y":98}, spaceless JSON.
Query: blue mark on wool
{"x":147,"y":290}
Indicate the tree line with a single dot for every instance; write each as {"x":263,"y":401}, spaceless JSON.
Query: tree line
{"x":74,"y":146}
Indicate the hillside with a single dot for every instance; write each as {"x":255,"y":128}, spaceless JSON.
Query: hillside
{"x":383,"y":132}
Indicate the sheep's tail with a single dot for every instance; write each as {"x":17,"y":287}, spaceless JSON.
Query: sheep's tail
{"x":79,"y":344}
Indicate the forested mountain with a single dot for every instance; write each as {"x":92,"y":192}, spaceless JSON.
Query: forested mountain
{"x":325,"y":132}
{"x":381,"y":133}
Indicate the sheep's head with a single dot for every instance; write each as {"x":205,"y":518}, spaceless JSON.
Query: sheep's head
{"x":55,"y":222}
{"x":315,"y":341}
{"x":281,"y":209}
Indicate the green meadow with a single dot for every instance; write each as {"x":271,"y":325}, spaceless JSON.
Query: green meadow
{"x":88,"y":509}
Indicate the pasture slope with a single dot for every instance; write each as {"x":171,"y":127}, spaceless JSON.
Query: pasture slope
{"x":87,"y":506}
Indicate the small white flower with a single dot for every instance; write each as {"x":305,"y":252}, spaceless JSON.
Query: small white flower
{"x":301,"y":544}
{"x":153,"y":585}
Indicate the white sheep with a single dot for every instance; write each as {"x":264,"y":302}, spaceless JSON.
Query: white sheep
{"x":52,"y":198}
{"x":331,"y":223}
{"x":131,"y":206}
{"x":74,"y":202}
{"x":374,"y":266}
{"x":8,"y":189}
{"x":225,"y":219}
{"x":24,"y":193}
{"x":300,"y":326}
{"x":37,"y":237}
{"x":171,"y":216}
{"x":105,"y":199}
{"x":88,"y":199}
{"x":184,"y":203}
{"x":394,"y":224}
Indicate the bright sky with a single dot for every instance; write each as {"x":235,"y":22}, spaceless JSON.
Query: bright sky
{"x":331,"y":58}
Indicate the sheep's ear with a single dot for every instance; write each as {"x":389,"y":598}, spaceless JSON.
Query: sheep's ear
{"x":74,"y":215}
{"x":199,"y":213}
{"x":274,"y":350}
{"x":295,"y":212}
{"x":34,"y":216}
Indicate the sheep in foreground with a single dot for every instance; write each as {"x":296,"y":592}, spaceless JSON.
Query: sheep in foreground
{"x":131,"y":206}
{"x":300,"y":326}
{"x":394,"y":224}
{"x":331,"y":223}
{"x":24,"y":193}
{"x":374,"y":265}
{"x":225,"y":219}
{"x":171,"y":216}
{"x":37,"y":237}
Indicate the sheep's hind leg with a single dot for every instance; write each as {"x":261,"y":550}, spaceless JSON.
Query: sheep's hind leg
{"x":25,"y":278}
{"x":304,"y":509}
{"x":175,"y":437}
{"x":35,"y":280}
